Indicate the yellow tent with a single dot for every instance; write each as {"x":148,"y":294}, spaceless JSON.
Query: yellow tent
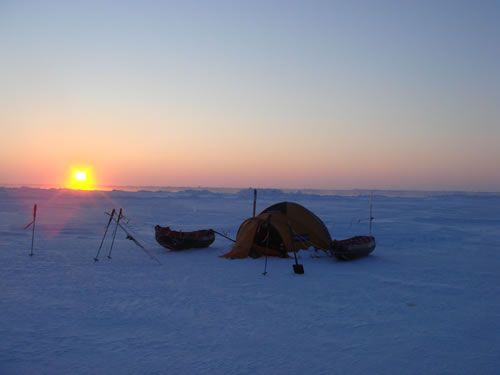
{"x":279,"y":229}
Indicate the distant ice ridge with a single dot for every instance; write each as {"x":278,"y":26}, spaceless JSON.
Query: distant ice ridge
{"x":271,"y":192}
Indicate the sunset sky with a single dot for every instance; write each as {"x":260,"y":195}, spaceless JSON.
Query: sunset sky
{"x":286,"y":94}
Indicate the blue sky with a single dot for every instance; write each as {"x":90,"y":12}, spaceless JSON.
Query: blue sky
{"x":328,"y":94}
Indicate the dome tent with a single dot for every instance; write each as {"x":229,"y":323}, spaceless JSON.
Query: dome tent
{"x":281,"y":228}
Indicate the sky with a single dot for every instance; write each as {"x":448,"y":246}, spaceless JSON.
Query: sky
{"x":285,"y":94}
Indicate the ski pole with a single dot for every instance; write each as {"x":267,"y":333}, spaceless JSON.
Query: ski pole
{"x":132,"y":238}
{"x":114,"y":233}
{"x":104,"y":236}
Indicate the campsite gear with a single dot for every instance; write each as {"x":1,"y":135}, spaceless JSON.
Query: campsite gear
{"x":104,"y":236}
{"x":371,"y":215}
{"x":265,"y":267}
{"x":133,"y":239}
{"x":33,"y":222}
{"x":278,"y":230}
{"x":297,"y":268}
{"x":176,"y":240}
{"x":114,"y":233}
{"x":267,"y":241}
{"x":223,"y":235}
{"x":352,"y":248}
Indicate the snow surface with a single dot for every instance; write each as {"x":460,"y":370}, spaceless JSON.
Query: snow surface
{"x":426,"y":301}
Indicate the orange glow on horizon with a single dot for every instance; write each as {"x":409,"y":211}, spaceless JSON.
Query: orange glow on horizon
{"x":80,"y":178}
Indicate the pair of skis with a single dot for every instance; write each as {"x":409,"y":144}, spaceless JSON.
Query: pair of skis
{"x":117,"y":221}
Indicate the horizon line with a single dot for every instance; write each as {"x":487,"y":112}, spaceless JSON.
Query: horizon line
{"x":136,"y":188}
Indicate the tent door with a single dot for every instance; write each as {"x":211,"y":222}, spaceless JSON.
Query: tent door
{"x":267,"y":236}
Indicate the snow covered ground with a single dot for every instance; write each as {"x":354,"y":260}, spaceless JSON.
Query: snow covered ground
{"x":426,"y":302}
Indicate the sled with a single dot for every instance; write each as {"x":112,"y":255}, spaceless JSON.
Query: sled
{"x":178,"y":240}
{"x":353,"y":248}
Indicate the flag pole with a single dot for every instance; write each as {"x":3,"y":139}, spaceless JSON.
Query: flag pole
{"x":254,"y":201}
{"x":371,"y":215}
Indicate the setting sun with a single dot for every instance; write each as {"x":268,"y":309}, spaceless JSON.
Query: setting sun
{"x":80,"y":178}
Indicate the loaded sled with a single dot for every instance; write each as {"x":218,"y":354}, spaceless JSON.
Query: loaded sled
{"x":178,"y":240}
{"x":353,"y":248}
